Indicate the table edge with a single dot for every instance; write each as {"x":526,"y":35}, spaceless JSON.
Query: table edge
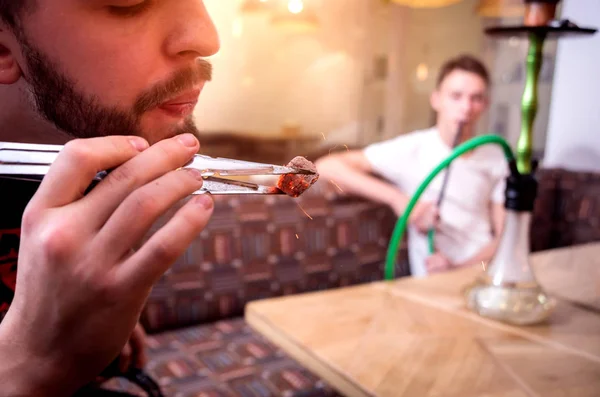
{"x":319,"y":367}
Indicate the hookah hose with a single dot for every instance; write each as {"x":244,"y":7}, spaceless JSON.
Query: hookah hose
{"x":457,"y":152}
{"x":431,"y":233}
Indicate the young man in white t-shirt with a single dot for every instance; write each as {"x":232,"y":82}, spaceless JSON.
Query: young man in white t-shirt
{"x":471,"y":217}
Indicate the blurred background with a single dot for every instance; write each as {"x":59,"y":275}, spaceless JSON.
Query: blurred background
{"x":305,"y":77}
{"x":297,"y":76}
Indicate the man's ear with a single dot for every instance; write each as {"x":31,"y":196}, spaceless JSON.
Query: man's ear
{"x":10,"y":70}
{"x":434,"y":100}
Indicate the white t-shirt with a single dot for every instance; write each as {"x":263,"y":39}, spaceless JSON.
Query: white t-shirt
{"x":474,"y":182}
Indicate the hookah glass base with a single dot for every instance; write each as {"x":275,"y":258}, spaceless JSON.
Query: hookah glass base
{"x":508,"y":290}
{"x":517,"y":303}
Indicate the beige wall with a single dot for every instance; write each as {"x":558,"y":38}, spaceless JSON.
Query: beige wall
{"x":326,"y":81}
{"x":435,"y":35}
{"x":264,"y":78}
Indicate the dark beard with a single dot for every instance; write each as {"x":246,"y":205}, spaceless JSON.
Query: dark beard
{"x":82,"y":116}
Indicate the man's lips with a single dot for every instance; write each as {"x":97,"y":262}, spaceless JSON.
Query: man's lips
{"x":183,"y":105}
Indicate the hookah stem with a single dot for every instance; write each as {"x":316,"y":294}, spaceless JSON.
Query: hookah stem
{"x":431,"y":233}
{"x":529,"y":102}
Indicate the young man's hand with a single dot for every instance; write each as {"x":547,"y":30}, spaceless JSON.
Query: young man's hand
{"x":424,"y":216}
{"x":437,"y":263}
{"x":80,"y":285}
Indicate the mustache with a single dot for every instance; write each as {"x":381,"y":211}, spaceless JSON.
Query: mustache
{"x":180,"y":81}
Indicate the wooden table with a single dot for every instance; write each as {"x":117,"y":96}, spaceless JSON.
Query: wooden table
{"x":414,"y":337}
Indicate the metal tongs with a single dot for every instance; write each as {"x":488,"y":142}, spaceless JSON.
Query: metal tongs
{"x":32,"y":161}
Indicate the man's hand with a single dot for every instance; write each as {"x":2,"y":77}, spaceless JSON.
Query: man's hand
{"x":80,"y":285}
{"x":134,"y":353}
{"x":437,"y":263}
{"x":424,"y":216}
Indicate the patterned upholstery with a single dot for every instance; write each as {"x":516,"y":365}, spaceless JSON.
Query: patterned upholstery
{"x":567,"y":211}
{"x":543,"y":224}
{"x":258,"y":247}
{"x":224,"y":359}
{"x":577,"y":208}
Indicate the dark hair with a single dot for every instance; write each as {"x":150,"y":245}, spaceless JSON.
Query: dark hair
{"x":10,"y":10}
{"x":466,"y":63}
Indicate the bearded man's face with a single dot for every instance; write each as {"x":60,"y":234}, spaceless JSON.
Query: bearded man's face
{"x":115,"y":67}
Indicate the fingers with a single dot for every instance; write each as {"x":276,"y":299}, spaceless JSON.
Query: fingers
{"x":79,"y":162}
{"x":435,"y":214}
{"x":155,"y":162}
{"x":430,"y":219}
{"x":425,"y":216}
{"x":131,"y":221}
{"x":146,"y":266}
{"x":436,"y":263}
{"x":138,"y":344}
{"x":433,"y":266}
{"x":133,"y":353}
{"x":125,"y":358}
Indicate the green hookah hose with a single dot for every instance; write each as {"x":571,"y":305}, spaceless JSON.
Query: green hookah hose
{"x":431,"y":233}
{"x":403,"y":220}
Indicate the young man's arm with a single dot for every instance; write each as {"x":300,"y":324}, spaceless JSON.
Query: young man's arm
{"x":352,"y":170}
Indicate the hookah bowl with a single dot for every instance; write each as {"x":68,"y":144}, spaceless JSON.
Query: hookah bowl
{"x":507,"y":290}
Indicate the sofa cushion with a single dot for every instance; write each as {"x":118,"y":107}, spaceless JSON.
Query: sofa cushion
{"x":225,"y":359}
{"x":567,"y":209}
{"x":265,"y":246}
{"x":577,"y":208}
{"x":543,"y":231}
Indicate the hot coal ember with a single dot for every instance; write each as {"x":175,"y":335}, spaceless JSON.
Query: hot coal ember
{"x":295,"y":184}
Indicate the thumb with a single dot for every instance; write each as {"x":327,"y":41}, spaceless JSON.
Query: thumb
{"x":125,"y":358}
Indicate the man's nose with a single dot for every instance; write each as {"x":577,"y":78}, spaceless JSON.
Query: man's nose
{"x":466,"y":106}
{"x":193,"y":33}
